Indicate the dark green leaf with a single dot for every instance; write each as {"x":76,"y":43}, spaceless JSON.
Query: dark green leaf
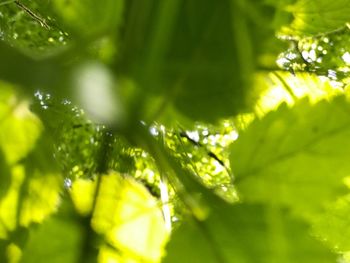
{"x":5,"y":174}
{"x":41,"y":158}
{"x":88,"y":18}
{"x":18,"y":68}
{"x":57,"y":240}
{"x":10,"y":249}
{"x":246,"y":233}
{"x":198,"y":56}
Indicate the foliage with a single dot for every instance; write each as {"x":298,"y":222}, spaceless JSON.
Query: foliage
{"x":174,"y":131}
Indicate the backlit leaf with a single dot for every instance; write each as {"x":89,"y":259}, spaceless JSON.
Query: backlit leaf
{"x":295,"y":156}
{"x":283,"y":87}
{"x":333,"y":225}
{"x":317,"y":17}
{"x":129,"y":218}
{"x":19,"y":129}
{"x":30,"y":181}
{"x":82,"y":194}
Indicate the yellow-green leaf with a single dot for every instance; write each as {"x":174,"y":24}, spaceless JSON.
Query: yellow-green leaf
{"x":130,"y":218}
{"x":295,"y":156}
{"x":317,"y":17}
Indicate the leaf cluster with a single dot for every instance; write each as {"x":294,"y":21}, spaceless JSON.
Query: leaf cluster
{"x":174,"y":131}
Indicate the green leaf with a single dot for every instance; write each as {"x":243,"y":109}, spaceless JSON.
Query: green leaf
{"x":88,"y":18}
{"x":19,"y":130}
{"x":59,"y":239}
{"x":39,"y":195}
{"x":41,"y":158}
{"x":20,"y":69}
{"x":29,"y":25}
{"x":30,"y":180}
{"x":29,"y":199}
{"x":5,"y":174}
{"x":129,"y":218}
{"x":333,"y":225}
{"x":232,"y":233}
{"x":295,"y":156}
{"x":245,"y":233}
{"x":10,"y":249}
{"x":317,"y":17}
{"x":282,"y":87}
{"x":198,"y":56}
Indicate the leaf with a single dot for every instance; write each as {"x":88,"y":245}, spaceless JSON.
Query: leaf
{"x":30,"y":198}
{"x":317,"y":17}
{"x":9,"y":203}
{"x":10,"y":249}
{"x":197,"y":55}
{"x":5,"y":175}
{"x":88,"y":18}
{"x":82,"y":193}
{"x":39,"y":197}
{"x":235,"y":233}
{"x":19,"y":131}
{"x":282,"y":87}
{"x":333,"y":225}
{"x":245,"y":233}
{"x":294,"y":156}
{"x":30,"y":182}
{"x":220,"y":232}
{"x":129,"y":218}
{"x":19,"y":68}
{"x":58,"y":239}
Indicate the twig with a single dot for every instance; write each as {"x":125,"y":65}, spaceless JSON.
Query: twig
{"x":209,"y":152}
{"x":36,"y":17}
